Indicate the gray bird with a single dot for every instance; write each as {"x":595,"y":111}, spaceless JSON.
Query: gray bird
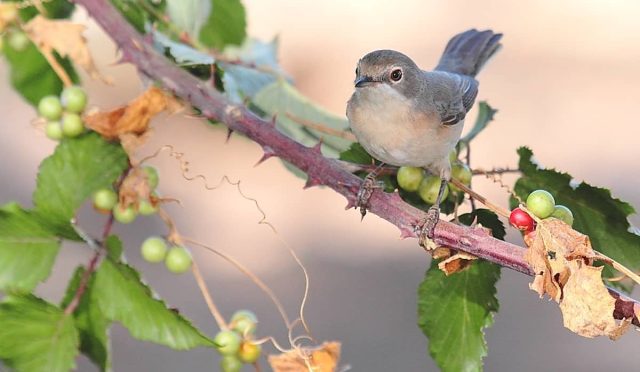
{"x":405,"y":116}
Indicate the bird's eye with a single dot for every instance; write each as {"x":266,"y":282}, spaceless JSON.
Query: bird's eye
{"x":357,"y":70}
{"x":396,"y":74}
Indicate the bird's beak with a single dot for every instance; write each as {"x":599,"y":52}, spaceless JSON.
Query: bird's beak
{"x":363,"y":81}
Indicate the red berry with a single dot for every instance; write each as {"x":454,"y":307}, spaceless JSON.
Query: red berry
{"x":521,"y":220}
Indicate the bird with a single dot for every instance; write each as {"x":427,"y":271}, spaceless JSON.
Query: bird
{"x":405,"y":116}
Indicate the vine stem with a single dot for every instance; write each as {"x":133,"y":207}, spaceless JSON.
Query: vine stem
{"x":215,"y":106}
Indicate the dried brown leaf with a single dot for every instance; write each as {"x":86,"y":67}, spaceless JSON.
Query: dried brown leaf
{"x":456,"y":263}
{"x":64,"y":37}
{"x":587,"y":308}
{"x":8,"y":14}
{"x":441,"y":253}
{"x":321,"y":359}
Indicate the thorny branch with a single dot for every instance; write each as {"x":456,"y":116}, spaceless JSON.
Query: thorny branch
{"x":320,"y":170}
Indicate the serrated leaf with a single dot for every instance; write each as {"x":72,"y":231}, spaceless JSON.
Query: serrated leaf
{"x":596,"y":213}
{"x":36,"y":336}
{"x":183,"y":54}
{"x":122,"y":297}
{"x":90,"y":322}
{"x":485,"y":115}
{"x":189,"y":15}
{"x":280,"y":99}
{"x":32,"y":76}
{"x":77,"y":168}
{"x":27,"y":250}
{"x":226,"y":24}
{"x":356,"y":154}
{"x":242,"y":82}
{"x":454,"y":310}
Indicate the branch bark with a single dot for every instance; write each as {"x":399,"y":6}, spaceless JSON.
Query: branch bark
{"x":320,"y":170}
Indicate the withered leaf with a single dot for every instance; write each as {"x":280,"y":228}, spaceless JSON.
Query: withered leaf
{"x":587,"y":308}
{"x":65,"y":37}
{"x":133,"y":118}
{"x":321,"y":359}
{"x":458,"y":262}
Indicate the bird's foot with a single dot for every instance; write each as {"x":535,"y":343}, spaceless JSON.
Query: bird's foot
{"x":365,"y":192}
{"x":427,"y":227}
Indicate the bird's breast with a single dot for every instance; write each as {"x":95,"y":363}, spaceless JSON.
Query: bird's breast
{"x":393,"y":130}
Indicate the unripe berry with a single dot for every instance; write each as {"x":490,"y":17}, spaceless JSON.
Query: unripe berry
{"x":74,"y":99}
{"x":230,"y":363}
{"x":152,"y":177}
{"x":53,"y":130}
{"x":541,"y":203}
{"x":409,"y":178}
{"x":429,"y":188}
{"x":154,"y":249}
{"x":178,"y":260}
{"x":563,"y":213}
{"x":227,"y":342}
{"x":249,"y":352}
{"x":105,"y":199}
{"x":146,"y":208}
{"x":72,"y":125}
{"x":244,"y":322}
{"x":124,"y":215}
{"x":50,"y":108}
{"x":18,"y":40}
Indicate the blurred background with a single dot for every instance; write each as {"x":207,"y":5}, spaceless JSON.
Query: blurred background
{"x":565,"y":84}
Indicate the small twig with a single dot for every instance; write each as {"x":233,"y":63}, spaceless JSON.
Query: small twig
{"x":482,"y":172}
{"x":471,"y":199}
{"x":620,"y":267}
{"x":206,"y":293}
{"x":495,"y":208}
{"x":91,"y":266}
{"x":322,"y":128}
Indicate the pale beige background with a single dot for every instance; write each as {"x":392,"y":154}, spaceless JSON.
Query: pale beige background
{"x":566,"y":84}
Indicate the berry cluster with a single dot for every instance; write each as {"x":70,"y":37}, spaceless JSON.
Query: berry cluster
{"x":177,"y":259}
{"x":236,"y":345}
{"x":542,"y":205}
{"x":63,"y":113}
{"x":106,"y":200}
{"x":414,"y":179}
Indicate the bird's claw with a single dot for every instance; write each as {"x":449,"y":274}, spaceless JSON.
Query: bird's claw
{"x":365,"y":192}
{"x":428,"y":225}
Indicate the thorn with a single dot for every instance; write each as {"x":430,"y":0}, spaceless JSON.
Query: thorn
{"x":311,"y":181}
{"x":317,"y":148}
{"x":229,"y":133}
{"x":268,"y":152}
{"x":351,"y":203}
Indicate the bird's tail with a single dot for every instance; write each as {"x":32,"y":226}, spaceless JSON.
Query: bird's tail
{"x":467,"y":52}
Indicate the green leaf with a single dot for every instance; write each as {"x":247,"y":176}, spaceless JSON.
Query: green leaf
{"x":122,"y":297}
{"x":132,"y":12}
{"x":77,"y":168}
{"x":90,"y":322}
{"x":241,"y":82}
{"x":27,"y":250}
{"x":487,"y":219}
{"x":356,"y":154}
{"x":596,"y":213}
{"x":226,"y":24}
{"x":183,"y":54}
{"x":36,"y":336}
{"x":32,"y":76}
{"x":189,"y":15}
{"x":485,"y":115}
{"x":54,"y":9}
{"x":454,"y":310}
{"x":280,"y":99}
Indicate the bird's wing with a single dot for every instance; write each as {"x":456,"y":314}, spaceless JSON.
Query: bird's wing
{"x":453,"y":95}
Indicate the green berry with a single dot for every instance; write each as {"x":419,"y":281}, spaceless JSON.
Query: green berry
{"x":541,"y":203}
{"x":409,"y":178}
{"x":124,"y":215}
{"x":53,"y":130}
{"x":145,"y":207}
{"x":453,"y":156}
{"x":249,"y":352}
{"x":74,"y":99}
{"x":462,"y":173}
{"x":178,"y":260}
{"x":154,"y":249}
{"x":105,"y":199}
{"x":227,"y":342}
{"x":18,"y":40}
{"x":72,"y":125}
{"x":50,"y":108}
{"x":244,"y":322}
{"x":152,"y":177}
{"x":429,"y":189}
{"x":563,"y":213}
{"x":230,"y":363}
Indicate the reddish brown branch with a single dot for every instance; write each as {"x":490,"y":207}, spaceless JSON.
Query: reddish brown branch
{"x":320,"y":170}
